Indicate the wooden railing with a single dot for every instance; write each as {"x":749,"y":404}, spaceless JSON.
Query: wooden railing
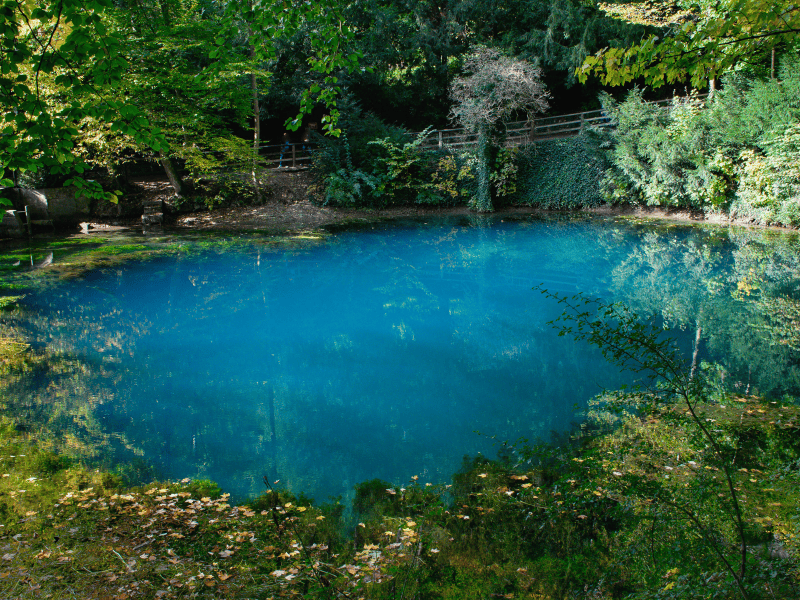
{"x":518,"y":133}
{"x":286,"y":156}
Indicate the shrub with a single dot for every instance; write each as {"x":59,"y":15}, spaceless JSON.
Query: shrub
{"x":769,"y":184}
{"x":351,"y":150}
{"x":454,"y":176}
{"x":668,"y":157}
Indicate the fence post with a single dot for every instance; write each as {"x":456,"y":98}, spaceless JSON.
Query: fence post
{"x":440,"y":138}
{"x":582,"y":115}
{"x":294,"y":148}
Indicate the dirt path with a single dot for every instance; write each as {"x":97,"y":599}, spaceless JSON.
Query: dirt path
{"x":289,"y":208}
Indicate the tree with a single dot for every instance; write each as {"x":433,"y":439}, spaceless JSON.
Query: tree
{"x":717,"y":37}
{"x":669,"y":387}
{"x":68,"y":41}
{"x":72,"y":70}
{"x":495,"y":88}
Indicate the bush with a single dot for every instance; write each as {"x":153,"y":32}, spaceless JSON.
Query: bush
{"x":668,"y":157}
{"x":561,"y":174}
{"x":737,"y":152}
{"x":769,"y":184}
{"x":454,"y":176}
{"x":351,"y":150}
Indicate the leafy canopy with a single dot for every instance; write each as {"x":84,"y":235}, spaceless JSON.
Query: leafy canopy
{"x":66,"y":40}
{"x":720,"y":35}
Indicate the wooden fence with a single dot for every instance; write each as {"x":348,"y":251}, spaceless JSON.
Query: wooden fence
{"x":518,"y":133}
{"x":288,"y":157}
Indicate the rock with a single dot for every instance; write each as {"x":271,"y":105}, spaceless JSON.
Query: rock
{"x":11,"y":226}
{"x":65,"y":207}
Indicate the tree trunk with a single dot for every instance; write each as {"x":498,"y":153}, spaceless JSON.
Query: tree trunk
{"x":696,"y":351}
{"x":256,"y":114}
{"x":165,"y":13}
{"x":483,"y":201}
{"x":772,"y":65}
{"x":256,"y":132}
{"x":174,"y":179}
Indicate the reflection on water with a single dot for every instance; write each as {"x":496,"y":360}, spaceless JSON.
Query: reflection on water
{"x":381,"y":352}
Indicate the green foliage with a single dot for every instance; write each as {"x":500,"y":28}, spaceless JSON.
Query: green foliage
{"x":454,"y":176}
{"x":714,"y":39}
{"x":272,"y":21}
{"x":736,"y":152}
{"x":352,"y":150}
{"x":375,"y":165}
{"x":66,"y":44}
{"x":668,"y":157}
{"x":492,"y":89}
{"x":750,"y":110}
{"x":769,"y":184}
{"x":705,"y":493}
{"x":352,"y":188}
{"x":405,"y":171}
{"x":414,"y":48}
{"x":561,"y":174}
{"x":504,"y":172}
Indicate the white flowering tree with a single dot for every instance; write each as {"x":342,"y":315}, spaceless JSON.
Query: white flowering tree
{"x":493,"y":89}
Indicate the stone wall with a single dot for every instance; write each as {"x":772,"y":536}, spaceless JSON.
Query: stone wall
{"x":60,"y":205}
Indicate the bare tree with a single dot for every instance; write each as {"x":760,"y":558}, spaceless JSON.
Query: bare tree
{"x":494,"y":88}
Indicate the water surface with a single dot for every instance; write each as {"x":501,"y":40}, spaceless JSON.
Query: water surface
{"x":388,"y":351}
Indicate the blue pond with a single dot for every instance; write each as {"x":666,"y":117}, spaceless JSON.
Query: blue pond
{"x":388,"y":351}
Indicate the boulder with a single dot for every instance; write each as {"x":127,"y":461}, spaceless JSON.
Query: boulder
{"x":11,"y":226}
{"x":64,"y":206}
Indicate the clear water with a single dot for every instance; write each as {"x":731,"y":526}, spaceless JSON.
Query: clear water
{"x":385,"y":352}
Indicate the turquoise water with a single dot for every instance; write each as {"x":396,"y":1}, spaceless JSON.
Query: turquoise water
{"x":389,"y":351}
